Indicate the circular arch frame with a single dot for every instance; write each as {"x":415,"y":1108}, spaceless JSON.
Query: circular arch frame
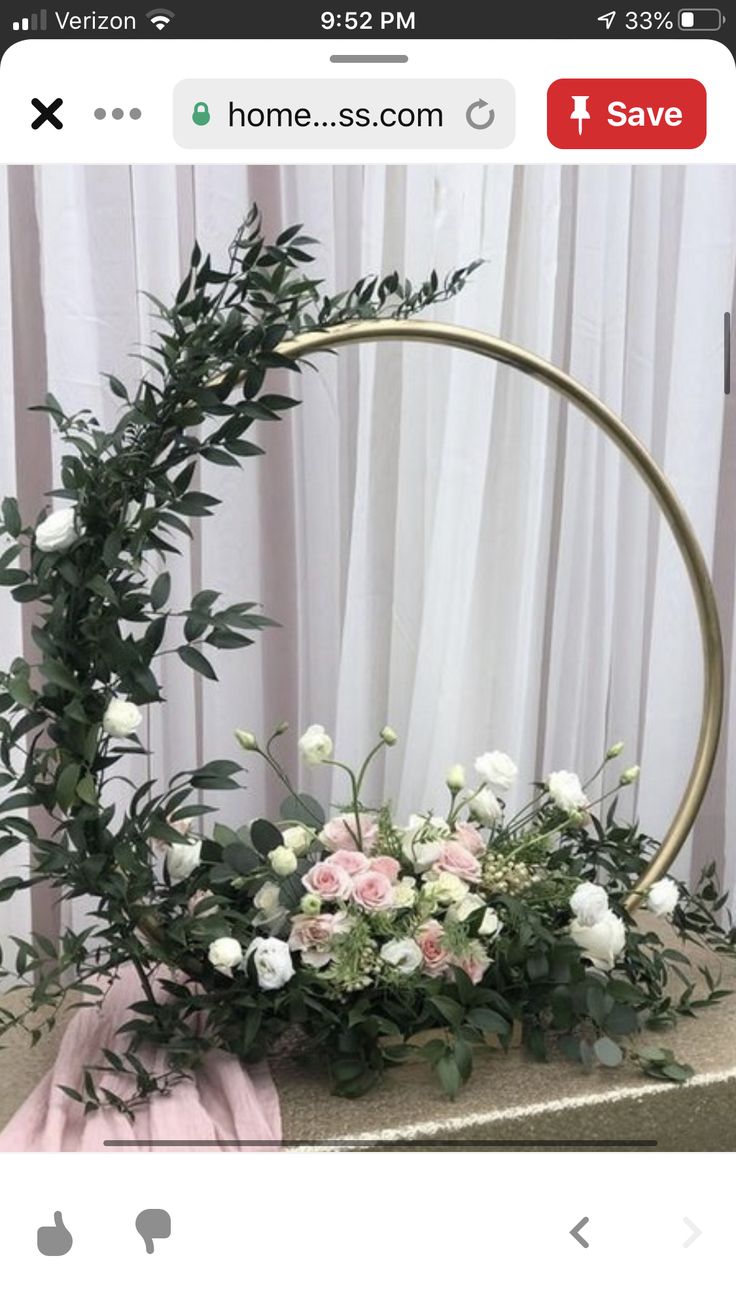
{"x":462,"y":338}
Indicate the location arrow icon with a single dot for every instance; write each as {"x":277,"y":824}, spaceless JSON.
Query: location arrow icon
{"x":575,"y":1233}
{"x":607,"y":19}
{"x":695,"y":1232}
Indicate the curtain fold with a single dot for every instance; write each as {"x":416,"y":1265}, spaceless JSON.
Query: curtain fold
{"x":447,"y":547}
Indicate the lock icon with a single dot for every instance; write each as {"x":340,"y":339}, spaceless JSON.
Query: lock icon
{"x":201,"y":115}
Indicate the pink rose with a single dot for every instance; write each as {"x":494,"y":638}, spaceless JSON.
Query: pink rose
{"x":373,"y":891}
{"x":350,"y":862}
{"x":474,"y":964}
{"x":456,"y":859}
{"x":383,"y":863}
{"x":312,"y":934}
{"x":436,"y":957}
{"x":182,"y":826}
{"x":329,"y":880}
{"x":199,"y":898}
{"x":340,"y":833}
{"x":470,"y":837}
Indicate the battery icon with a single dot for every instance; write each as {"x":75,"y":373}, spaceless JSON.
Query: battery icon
{"x":700,"y":20}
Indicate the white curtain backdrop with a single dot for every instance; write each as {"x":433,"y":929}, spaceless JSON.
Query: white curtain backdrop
{"x":448,"y":548}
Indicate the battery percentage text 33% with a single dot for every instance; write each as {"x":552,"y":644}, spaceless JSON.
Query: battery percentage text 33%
{"x":648,"y":21}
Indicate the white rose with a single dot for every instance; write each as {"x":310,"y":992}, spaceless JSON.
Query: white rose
{"x":456,"y":778}
{"x":269,"y":906}
{"x":589,"y":903}
{"x":486,"y":808}
{"x":663,"y":897}
{"x":603,"y":942}
{"x":405,"y":955}
{"x":567,"y":792}
{"x":282,"y":860}
{"x":272,"y":959}
{"x":404,"y":893}
{"x":181,"y":860}
{"x":58,"y":531}
{"x":491,"y":924}
{"x":423,"y":840}
{"x":225,"y":952}
{"x":315,"y":745}
{"x":298,"y":839}
{"x":497,"y":769}
{"x":447,"y":889}
{"x":462,"y":910}
{"x":121,"y":718}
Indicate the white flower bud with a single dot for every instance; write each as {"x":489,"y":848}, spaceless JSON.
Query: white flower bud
{"x":298,"y":839}
{"x":456,"y":778}
{"x":629,"y":775}
{"x":388,"y":736}
{"x":311,"y":904}
{"x":614,"y":751}
{"x":246,"y":739}
{"x":282,"y":860}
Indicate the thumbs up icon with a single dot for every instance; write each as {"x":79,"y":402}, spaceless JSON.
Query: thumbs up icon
{"x":54,"y":1240}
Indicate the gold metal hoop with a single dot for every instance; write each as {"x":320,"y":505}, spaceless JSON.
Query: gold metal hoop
{"x":523,"y":361}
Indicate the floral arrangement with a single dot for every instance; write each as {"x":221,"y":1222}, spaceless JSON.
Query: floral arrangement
{"x":374,"y":939}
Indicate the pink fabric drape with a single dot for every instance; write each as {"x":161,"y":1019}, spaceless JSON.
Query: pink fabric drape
{"x":221,"y":1104}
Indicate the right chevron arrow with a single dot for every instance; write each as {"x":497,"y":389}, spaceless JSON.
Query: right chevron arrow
{"x":695,"y":1232}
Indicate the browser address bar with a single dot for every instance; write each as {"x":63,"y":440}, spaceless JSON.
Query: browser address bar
{"x":236,"y":114}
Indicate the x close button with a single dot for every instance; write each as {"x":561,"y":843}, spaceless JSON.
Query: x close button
{"x":47,"y":114}
{"x":643,"y":113}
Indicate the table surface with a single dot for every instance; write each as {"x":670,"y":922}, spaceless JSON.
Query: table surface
{"x":510,"y":1098}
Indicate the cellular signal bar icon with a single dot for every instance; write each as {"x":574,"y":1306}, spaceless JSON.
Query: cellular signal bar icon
{"x":34,"y":23}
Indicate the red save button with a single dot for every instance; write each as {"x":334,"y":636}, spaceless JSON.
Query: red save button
{"x":635,"y":113}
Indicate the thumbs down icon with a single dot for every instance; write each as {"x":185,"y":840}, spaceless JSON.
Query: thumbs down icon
{"x":153,"y":1225}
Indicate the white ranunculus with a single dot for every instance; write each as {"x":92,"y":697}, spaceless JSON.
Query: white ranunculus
{"x":485,"y":808}
{"x":663,"y":897}
{"x":567,"y":792}
{"x":271,"y":912}
{"x":57,"y":531}
{"x":225,"y":952}
{"x":315,"y":745}
{"x":423,"y":840}
{"x":589,"y":903}
{"x":298,"y":839}
{"x":404,"y":893}
{"x":447,"y":889}
{"x":404,"y":955}
{"x":122,"y":717}
{"x":603,"y":942}
{"x":496,"y":769}
{"x":272,"y":959}
{"x":282,"y":860}
{"x":456,"y":778}
{"x":181,"y":860}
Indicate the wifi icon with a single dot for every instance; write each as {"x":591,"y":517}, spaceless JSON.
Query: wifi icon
{"x":160,"y":18}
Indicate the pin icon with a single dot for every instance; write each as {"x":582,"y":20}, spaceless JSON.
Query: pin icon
{"x":54,"y":1240}
{"x":153,"y":1225}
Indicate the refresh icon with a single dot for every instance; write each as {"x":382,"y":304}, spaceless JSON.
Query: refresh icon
{"x":479,"y":115}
